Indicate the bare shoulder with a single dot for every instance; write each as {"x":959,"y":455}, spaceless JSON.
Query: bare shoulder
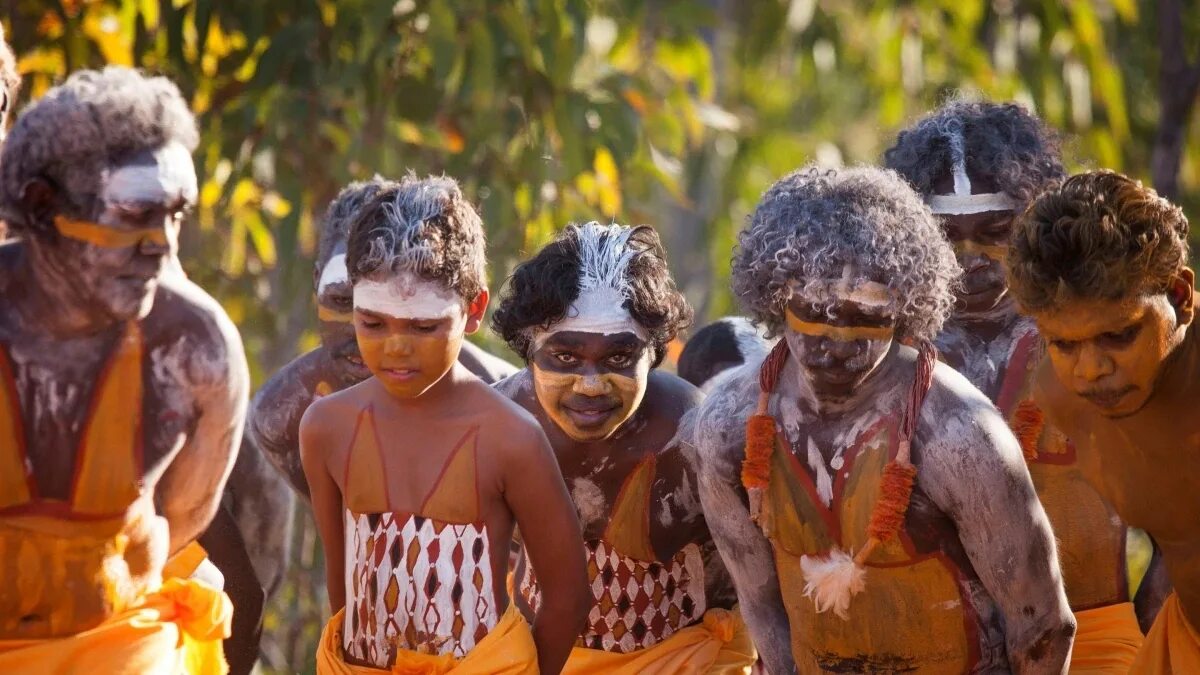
{"x":717,"y":428}
{"x":515,"y":385}
{"x":191,"y":338}
{"x":332,"y":416}
{"x":673,"y":396}
{"x":284,"y":397}
{"x":960,"y":430}
{"x":483,"y":364}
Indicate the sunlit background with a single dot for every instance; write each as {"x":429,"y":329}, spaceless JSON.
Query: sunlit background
{"x":675,"y":113}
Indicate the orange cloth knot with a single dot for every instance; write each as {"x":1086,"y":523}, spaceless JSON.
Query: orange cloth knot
{"x":720,"y":623}
{"x":895,"y":488}
{"x":760,"y":443}
{"x":413,"y":663}
{"x":203,"y":612}
{"x":1027,"y":425}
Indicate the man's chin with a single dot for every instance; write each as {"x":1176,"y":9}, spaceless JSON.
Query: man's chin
{"x":1118,"y":407}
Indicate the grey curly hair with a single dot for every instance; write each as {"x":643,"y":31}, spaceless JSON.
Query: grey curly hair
{"x":1001,"y":140}
{"x":335,"y":226}
{"x":813,"y":222}
{"x":422,"y":225}
{"x":79,"y":128}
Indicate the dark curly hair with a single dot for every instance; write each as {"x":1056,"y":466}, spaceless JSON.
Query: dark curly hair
{"x":335,"y":226}
{"x":420,"y":225}
{"x":1003,"y":141}
{"x":1101,"y":235}
{"x":542,"y":289}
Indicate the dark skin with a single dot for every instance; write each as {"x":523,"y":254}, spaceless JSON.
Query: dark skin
{"x":607,"y":463}
{"x":519,"y":483}
{"x":59,"y":334}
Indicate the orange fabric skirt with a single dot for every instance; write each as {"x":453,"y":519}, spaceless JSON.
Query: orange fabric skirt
{"x":1107,"y":640}
{"x":719,"y":645}
{"x":1172,"y":647}
{"x":176,"y":630}
{"x":507,"y":649}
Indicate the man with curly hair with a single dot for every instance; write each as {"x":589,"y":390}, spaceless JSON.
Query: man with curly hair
{"x":419,"y":473}
{"x":123,"y":386}
{"x":871,"y":504}
{"x":1101,"y":264}
{"x":276,"y":409}
{"x":719,"y":347}
{"x":978,"y":165}
{"x":592,"y":313}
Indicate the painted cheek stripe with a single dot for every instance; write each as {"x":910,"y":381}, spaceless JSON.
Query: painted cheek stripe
{"x":107,"y":237}
{"x":996,"y":252}
{"x":326,"y":314}
{"x":839,"y":333}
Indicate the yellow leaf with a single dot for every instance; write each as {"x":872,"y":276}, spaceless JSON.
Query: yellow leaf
{"x":260,"y":235}
{"x":276,"y":205}
{"x":244,"y":194}
{"x":42,"y":60}
{"x":149,"y":10}
{"x":104,"y":28}
{"x":608,"y":182}
{"x":234,"y":262}
{"x":210,"y":193}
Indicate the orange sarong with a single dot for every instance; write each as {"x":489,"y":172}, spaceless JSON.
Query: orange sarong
{"x":719,"y":645}
{"x":1107,"y":640}
{"x":507,"y":649}
{"x":176,"y":630}
{"x":1172,"y":647}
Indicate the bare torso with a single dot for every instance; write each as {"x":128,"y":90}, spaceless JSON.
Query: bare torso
{"x":192,"y":388}
{"x":1142,"y":463}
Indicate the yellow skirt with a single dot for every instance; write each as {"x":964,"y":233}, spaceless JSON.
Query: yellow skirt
{"x":507,"y":649}
{"x":176,"y":630}
{"x":719,"y":645}
{"x":1107,"y":640}
{"x":1172,"y":646}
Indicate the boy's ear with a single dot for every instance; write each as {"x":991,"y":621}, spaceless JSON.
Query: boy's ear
{"x":1183,"y":295}
{"x":475,"y":311}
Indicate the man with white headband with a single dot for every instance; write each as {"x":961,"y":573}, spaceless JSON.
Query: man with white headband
{"x":122,"y":388}
{"x":592,"y":314}
{"x":871,"y":505}
{"x":419,"y":473}
{"x":978,"y":165}
{"x":274,"y":419}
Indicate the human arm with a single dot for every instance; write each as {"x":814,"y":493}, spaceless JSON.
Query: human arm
{"x":1153,"y":591}
{"x":549,"y":526}
{"x":274,"y":419}
{"x":189,"y":491}
{"x":326,"y":501}
{"x":971,"y":466}
{"x":718,"y":439}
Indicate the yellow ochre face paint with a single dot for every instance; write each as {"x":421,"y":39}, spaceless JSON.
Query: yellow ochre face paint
{"x":839,"y":333}
{"x":969,"y":247}
{"x":326,"y":314}
{"x":105,"y":236}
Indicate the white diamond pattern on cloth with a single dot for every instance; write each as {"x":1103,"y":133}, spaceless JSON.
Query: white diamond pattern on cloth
{"x":419,"y":585}
{"x":635,"y":604}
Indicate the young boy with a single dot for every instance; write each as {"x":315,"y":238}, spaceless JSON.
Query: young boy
{"x":592,"y":314}
{"x":419,"y":473}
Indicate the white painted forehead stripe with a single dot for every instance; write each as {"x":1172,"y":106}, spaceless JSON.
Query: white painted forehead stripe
{"x":962,"y":202}
{"x":865,"y":293}
{"x":599,"y":311}
{"x":411,"y":299}
{"x":173,"y":175}
{"x":335,"y":272}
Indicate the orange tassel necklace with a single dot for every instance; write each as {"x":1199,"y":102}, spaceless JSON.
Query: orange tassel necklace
{"x":834,"y":579}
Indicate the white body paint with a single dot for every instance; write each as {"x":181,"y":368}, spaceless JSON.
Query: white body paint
{"x":589,"y":501}
{"x":849,"y":288}
{"x":406,"y":296}
{"x":335,"y":272}
{"x":598,"y":311}
{"x":172,"y":176}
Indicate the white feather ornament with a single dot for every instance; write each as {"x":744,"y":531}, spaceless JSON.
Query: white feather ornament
{"x":831,"y":581}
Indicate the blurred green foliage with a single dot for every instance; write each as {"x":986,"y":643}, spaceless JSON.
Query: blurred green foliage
{"x":673,"y":113}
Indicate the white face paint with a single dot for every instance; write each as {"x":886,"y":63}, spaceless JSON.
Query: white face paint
{"x":406,"y":296}
{"x":170,"y":177}
{"x":962,"y":202}
{"x":599,"y":311}
{"x":849,"y":288}
{"x":335,"y":272}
